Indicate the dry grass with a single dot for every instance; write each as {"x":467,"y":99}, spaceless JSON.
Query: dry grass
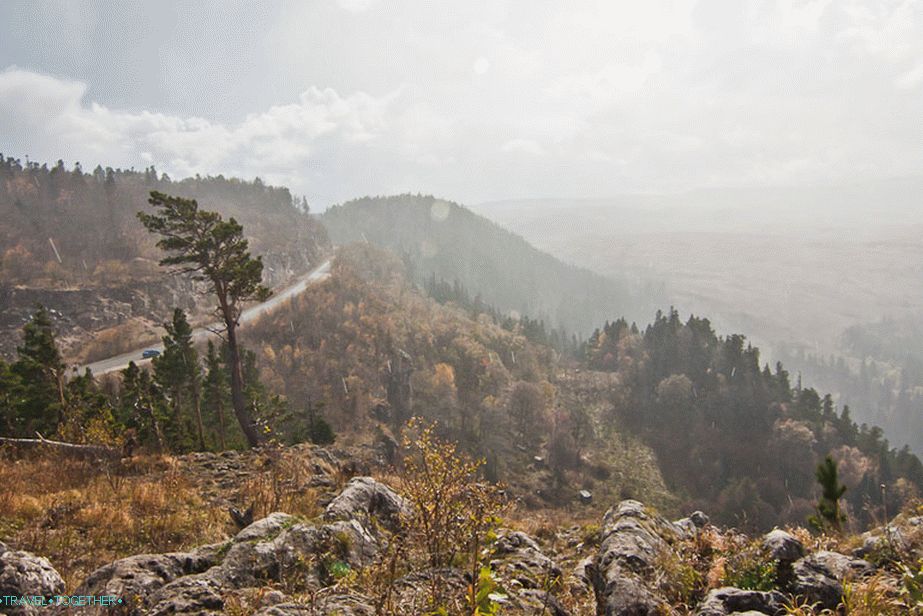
{"x":81,"y":515}
{"x":283,"y":484}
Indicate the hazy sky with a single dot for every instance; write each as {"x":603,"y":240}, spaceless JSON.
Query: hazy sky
{"x":470,"y":100}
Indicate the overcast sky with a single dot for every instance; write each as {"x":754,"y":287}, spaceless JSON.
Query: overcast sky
{"x":471,"y":100}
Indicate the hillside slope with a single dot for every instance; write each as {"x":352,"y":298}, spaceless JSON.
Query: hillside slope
{"x":71,"y":241}
{"x":446,"y":239}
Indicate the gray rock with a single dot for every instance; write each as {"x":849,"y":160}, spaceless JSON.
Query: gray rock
{"x":699,"y":519}
{"x":632,"y":538}
{"x":729,"y":600}
{"x":782,"y":546}
{"x":818,"y":577}
{"x":368,"y":501}
{"x":269,"y":550}
{"x":265,"y":528}
{"x":342,"y":605}
{"x":24,"y":574}
{"x":194,"y":594}
{"x":518,"y":557}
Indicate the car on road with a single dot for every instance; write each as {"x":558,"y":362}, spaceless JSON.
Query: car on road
{"x":149,"y":353}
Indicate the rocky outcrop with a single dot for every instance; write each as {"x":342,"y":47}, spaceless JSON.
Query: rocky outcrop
{"x":819,"y":577}
{"x":24,"y":574}
{"x":276,"y":549}
{"x":282,"y":565}
{"x":782,"y":546}
{"x":622,"y":571}
{"x":369,"y":502}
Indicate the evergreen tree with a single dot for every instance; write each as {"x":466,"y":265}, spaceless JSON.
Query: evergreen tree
{"x":141,"y":407}
{"x":177,"y":372}
{"x":216,"y":393}
{"x":829,"y":514}
{"x":39,"y":403}
{"x":319,"y":430}
{"x":214,"y":250}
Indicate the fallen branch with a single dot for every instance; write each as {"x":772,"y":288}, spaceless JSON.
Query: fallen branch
{"x":97,"y":451}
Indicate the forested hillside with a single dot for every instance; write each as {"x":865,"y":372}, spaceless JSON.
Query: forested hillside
{"x":71,"y":241}
{"x":438,"y":237}
{"x":731,"y":432}
{"x":61,"y":227}
{"x":879,"y":369}
{"x":730,"y":435}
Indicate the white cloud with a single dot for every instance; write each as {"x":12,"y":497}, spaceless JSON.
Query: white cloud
{"x":523,"y":146}
{"x":356,"y":6}
{"x":493,"y":98}
{"x":281,"y":141}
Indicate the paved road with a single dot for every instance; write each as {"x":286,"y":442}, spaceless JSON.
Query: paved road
{"x":120,"y":362}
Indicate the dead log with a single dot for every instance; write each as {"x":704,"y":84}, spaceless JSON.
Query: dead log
{"x":71,"y":449}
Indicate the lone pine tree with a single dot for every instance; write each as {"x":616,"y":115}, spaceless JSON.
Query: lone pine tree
{"x":214,"y":250}
{"x":829,"y":514}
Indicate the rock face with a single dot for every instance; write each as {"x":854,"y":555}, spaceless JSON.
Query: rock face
{"x":285,"y":557}
{"x":621,"y":572}
{"x":24,"y":574}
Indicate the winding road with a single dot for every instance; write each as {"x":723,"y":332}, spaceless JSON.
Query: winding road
{"x":200,"y":334}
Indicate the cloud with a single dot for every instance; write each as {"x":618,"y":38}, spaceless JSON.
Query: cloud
{"x":523,"y":146}
{"x":356,"y":6}
{"x":55,"y":120}
{"x":486,"y":100}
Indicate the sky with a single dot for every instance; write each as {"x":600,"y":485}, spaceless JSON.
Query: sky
{"x":472,"y":101}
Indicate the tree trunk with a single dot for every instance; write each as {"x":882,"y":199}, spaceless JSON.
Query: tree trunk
{"x":88,"y":451}
{"x":197,"y":405}
{"x":220,"y":410}
{"x":237,"y":388}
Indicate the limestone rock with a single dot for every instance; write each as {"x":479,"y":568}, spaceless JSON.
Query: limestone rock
{"x":22,"y":573}
{"x":367,"y":500}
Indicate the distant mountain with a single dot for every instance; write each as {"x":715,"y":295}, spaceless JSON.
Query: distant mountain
{"x":446,"y":239}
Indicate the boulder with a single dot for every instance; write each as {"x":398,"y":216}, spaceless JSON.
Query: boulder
{"x":782,"y":546}
{"x":137,"y":577}
{"x":273,"y":549}
{"x":24,"y":574}
{"x":729,"y":600}
{"x":518,"y":557}
{"x":342,"y":605}
{"x":368,"y":501}
{"x":818,"y":577}
{"x":529,"y":577}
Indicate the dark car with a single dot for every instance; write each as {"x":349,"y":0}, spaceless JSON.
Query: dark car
{"x":149,"y":353}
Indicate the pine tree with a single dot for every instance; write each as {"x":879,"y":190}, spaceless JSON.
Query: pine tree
{"x":216,"y":392}
{"x":829,"y":514}
{"x":141,"y":407}
{"x":40,"y":402}
{"x":213,"y":250}
{"x":177,"y":372}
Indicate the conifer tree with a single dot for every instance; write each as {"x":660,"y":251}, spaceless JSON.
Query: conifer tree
{"x":177,"y":372}
{"x":829,"y":514}
{"x":213,"y":250}
{"x":40,"y":401}
{"x":215,"y":391}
